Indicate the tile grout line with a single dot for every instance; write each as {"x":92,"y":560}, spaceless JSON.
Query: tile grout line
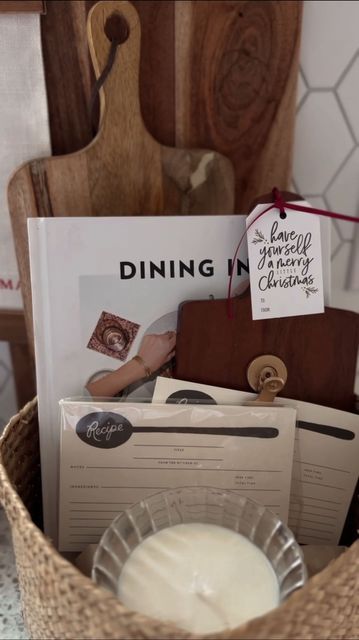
{"x":339,"y":169}
{"x":345,"y":116}
{"x":346,"y":70}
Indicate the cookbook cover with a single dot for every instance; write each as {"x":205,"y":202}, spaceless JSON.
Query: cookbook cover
{"x":106,"y":290}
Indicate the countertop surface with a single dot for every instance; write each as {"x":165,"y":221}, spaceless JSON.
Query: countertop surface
{"x":11,"y":622}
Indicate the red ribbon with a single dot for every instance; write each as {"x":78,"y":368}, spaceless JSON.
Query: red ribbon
{"x":281,"y":205}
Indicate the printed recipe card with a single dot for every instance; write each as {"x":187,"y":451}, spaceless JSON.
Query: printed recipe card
{"x":325,"y":465}
{"x":116,"y":454}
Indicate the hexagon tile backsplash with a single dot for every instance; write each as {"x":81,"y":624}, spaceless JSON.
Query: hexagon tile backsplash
{"x":326,"y":150}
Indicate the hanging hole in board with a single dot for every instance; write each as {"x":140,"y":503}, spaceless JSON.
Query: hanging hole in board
{"x":283,"y":215}
{"x":117,"y":28}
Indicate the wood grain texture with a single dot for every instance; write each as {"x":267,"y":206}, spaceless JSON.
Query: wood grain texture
{"x":124,"y":170}
{"x":157,"y":68}
{"x":122,"y":136}
{"x":237,"y":67}
{"x":319,"y":351}
{"x":24,"y":373}
{"x":23,"y":204}
{"x":21,"y":6}
{"x":179,"y":81}
{"x":12,"y":326}
{"x":69,"y":74}
{"x":215,"y":74}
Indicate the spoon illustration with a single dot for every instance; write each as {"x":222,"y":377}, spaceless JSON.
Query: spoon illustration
{"x":334,"y":432}
{"x":106,"y":430}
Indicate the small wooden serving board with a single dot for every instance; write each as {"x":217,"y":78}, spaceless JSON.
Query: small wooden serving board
{"x":320,"y":351}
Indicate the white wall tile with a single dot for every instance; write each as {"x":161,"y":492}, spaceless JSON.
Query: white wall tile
{"x":329,"y":73}
{"x":322,"y":142}
{"x":348,"y":92}
{"x":343,"y":194}
{"x":301,"y":88}
{"x":353,"y":271}
{"x":329,"y":40}
{"x":340,"y":266}
{"x":337,"y":239}
{"x":316,"y":201}
{"x":326,"y":241}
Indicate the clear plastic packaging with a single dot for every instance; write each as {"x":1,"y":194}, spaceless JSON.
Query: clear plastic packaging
{"x":115,"y":454}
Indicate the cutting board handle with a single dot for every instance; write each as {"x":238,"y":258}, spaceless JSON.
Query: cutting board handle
{"x":121,"y":120}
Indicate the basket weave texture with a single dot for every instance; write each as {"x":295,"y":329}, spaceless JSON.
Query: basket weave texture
{"x":59,"y":602}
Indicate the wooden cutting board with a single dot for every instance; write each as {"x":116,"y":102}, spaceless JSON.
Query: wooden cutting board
{"x":320,"y":351}
{"x":124,"y":171}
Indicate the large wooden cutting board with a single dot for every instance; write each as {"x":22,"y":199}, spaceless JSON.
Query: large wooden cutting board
{"x":320,"y":351}
{"x":218,"y":74}
{"x":124,"y":171}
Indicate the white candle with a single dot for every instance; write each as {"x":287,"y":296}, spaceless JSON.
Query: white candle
{"x":202,"y":577}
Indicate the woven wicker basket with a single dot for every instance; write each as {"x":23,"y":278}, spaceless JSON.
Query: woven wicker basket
{"x":59,"y":602}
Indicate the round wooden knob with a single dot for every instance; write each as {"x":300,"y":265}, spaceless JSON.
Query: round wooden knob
{"x":264,"y":368}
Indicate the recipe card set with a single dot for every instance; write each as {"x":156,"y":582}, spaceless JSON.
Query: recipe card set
{"x":114,"y":454}
{"x":325,"y":457}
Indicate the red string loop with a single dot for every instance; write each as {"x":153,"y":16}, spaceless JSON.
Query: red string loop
{"x":279,"y":202}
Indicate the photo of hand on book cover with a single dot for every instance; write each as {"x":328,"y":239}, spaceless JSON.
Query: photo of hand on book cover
{"x":114,"y":336}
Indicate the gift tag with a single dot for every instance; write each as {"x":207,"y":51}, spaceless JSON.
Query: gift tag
{"x":285,"y":263}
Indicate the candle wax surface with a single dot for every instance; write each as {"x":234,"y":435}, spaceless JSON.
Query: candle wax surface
{"x":202,"y":577}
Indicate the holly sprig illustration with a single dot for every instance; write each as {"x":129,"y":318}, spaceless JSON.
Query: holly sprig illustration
{"x":258,"y":237}
{"x":310,"y":291}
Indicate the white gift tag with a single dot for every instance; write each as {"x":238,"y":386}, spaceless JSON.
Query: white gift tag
{"x":285,"y":263}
